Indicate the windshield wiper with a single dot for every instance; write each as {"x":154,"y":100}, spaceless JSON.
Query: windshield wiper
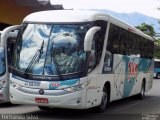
{"x":35,"y":59}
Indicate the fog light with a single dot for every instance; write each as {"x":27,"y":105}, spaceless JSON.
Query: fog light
{"x":79,"y":101}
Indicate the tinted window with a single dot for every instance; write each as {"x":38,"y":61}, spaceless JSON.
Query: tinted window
{"x":122,"y":41}
{"x":97,"y":43}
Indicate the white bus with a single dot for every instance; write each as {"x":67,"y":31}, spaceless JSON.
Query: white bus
{"x":5,"y":52}
{"x":156,"y":68}
{"x":79,"y":60}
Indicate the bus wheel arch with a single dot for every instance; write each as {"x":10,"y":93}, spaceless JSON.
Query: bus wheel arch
{"x":105,"y":98}
{"x":158,"y":75}
{"x":108,"y":87}
{"x":141,"y":95}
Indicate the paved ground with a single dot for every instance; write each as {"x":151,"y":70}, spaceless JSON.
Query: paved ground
{"x":126,"y":109}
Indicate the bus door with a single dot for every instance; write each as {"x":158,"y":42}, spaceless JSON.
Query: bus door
{"x":10,"y":49}
{"x":119,"y":75}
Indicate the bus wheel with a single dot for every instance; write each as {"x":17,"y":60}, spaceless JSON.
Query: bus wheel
{"x":104,"y":102}
{"x":142,"y":93}
{"x":43,"y":108}
{"x":158,"y":75}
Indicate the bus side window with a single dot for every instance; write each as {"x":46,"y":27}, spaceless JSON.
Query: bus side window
{"x":92,"y":56}
{"x":97,"y":44}
{"x":96,"y":52}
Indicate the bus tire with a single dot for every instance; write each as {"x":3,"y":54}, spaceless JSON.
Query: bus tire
{"x":43,"y":108}
{"x":158,"y":75}
{"x":104,"y":102}
{"x":141,"y":95}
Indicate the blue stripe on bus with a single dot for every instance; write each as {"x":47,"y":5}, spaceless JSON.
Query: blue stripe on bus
{"x":130,"y":78}
{"x":65,"y":83}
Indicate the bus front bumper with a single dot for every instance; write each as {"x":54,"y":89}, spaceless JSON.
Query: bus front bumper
{"x":74,"y":100}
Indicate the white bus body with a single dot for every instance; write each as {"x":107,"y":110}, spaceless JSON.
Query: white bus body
{"x":61,"y":60}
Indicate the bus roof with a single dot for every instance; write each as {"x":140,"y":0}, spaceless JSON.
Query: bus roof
{"x":64,"y":16}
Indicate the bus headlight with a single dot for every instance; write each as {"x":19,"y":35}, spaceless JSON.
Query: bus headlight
{"x":15,"y":85}
{"x":76,"y":88}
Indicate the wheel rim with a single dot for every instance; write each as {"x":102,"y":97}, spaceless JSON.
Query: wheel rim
{"x":142,"y":89}
{"x":158,"y":76}
{"x":104,"y":99}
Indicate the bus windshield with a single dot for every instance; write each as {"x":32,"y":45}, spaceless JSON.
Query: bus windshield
{"x":51,"y":49}
{"x":156,"y":64}
{"x":2,"y":61}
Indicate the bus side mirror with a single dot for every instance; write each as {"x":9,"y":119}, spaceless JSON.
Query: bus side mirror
{"x":89,"y":37}
{"x":7,"y":33}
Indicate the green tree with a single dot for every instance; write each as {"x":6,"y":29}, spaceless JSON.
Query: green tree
{"x":157,"y":49}
{"x":147,"y":29}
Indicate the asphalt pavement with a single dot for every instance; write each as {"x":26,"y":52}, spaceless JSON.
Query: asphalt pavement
{"x":125,"y":109}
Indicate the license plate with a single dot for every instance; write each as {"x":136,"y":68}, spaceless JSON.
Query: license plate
{"x":41,"y":100}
